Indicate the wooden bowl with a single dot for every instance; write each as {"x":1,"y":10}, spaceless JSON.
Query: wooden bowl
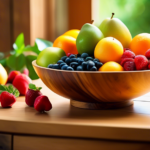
{"x":96,"y":90}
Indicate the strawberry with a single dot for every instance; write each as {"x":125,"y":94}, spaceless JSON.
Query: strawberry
{"x":125,"y":60}
{"x":8,"y":95}
{"x":141,"y":62}
{"x":128,"y":54}
{"x":147,"y":54}
{"x":32,"y":93}
{"x":42,"y":103}
{"x":12,"y":76}
{"x":129,"y":66}
{"x":21,"y":82}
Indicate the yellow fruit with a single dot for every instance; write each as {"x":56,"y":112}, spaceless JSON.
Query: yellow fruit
{"x":74,"y":33}
{"x":111,"y":66}
{"x":108,"y":49}
{"x":3,"y":75}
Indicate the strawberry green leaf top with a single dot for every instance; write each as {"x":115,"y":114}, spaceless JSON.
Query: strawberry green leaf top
{"x":9,"y":89}
{"x":33,"y":87}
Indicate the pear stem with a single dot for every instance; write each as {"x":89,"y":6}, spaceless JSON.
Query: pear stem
{"x":112,"y":15}
{"x":92,"y":21}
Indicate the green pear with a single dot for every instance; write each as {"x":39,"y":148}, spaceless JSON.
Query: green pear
{"x":87,"y":38}
{"x":49,"y":55}
{"x":113,"y":27}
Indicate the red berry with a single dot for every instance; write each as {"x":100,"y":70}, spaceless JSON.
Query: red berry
{"x":141,"y":62}
{"x":126,"y":49}
{"x":21,"y":82}
{"x":129,"y":66}
{"x":42,"y":103}
{"x":128,"y":54}
{"x":125,"y":60}
{"x":31,"y":95}
{"x":7,"y":99}
{"x":26,"y":71}
{"x":147,"y":54}
{"x":148,"y":64}
{"x":12,"y":76}
{"x":68,"y":54}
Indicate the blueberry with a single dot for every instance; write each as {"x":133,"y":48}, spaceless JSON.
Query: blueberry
{"x":63,"y":58}
{"x":64,"y":67}
{"x":72,"y":56}
{"x":84,"y":66}
{"x":90,"y":64}
{"x":95,"y":59}
{"x":50,"y":66}
{"x":98,"y":64}
{"x":88,"y":58}
{"x":67,"y":61}
{"x":93,"y":68}
{"x":84,"y":55}
{"x":74,"y":60}
{"x":80,"y":61}
{"x":74,"y":65}
{"x":60,"y":61}
{"x":56,"y":66}
{"x":70,"y":68}
{"x":62,"y":64}
{"x":79,"y":68}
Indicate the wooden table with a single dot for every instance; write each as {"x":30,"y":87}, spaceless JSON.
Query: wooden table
{"x":68,"y":128}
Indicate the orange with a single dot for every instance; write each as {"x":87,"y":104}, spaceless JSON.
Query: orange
{"x":111,"y":66}
{"x":74,"y":33}
{"x":140,"y":43}
{"x":67,"y":43}
{"x":108,"y":49}
{"x":3,"y":75}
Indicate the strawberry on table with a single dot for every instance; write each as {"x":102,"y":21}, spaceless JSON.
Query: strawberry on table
{"x":12,"y":76}
{"x":8,"y":95}
{"x":42,"y":103}
{"x":32,"y":93}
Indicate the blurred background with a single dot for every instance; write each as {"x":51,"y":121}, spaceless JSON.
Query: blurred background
{"x":48,"y":19}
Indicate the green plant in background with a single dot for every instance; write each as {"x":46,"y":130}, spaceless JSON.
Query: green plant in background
{"x":22,"y":56}
{"x":134,"y":13}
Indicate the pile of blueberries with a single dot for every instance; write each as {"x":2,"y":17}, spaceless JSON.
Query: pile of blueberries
{"x":78,"y":62}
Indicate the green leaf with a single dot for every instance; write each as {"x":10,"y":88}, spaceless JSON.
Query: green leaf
{"x":16,"y":93}
{"x":32,"y":48}
{"x":32,"y":73}
{"x":33,"y":87}
{"x":16,"y":62}
{"x":10,"y":89}
{"x":3,"y":62}
{"x":2,"y":88}
{"x":42,"y":44}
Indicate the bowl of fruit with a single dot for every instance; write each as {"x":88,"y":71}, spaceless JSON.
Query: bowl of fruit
{"x":92,"y":67}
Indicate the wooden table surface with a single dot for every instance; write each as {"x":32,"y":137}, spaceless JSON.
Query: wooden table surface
{"x":130,"y":123}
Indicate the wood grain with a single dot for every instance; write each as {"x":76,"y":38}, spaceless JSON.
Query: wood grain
{"x":95,"y":86}
{"x":39,"y":143}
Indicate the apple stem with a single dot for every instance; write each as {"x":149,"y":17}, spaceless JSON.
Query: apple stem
{"x":112,"y":15}
{"x":92,"y":21}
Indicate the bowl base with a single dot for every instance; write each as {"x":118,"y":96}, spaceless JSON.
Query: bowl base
{"x":101,"y":105}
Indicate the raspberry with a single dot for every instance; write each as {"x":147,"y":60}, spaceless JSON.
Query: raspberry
{"x":129,"y":66}
{"x":128,"y":54}
{"x":68,"y":54}
{"x":126,"y":49}
{"x":148,"y":64}
{"x":125,"y":60}
{"x":147,"y":54}
{"x":141,"y":62}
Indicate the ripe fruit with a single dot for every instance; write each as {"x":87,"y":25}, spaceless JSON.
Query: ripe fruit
{"x":42,"y":103}
{"x":108,"y":49}
{"x":141,"y":62}
{"x":115,"y":28}
{"x":26,"y":71}
{"x":21,"y":82}
{"x":50,"y":55}
{"x":140,"y":43}
{"x":87,"y":39}
{"x":32,"y":93}
{"x":147,"y":54}
{"x":128,"y":54}
{"x":128,"y":64}
{"x":67,"y":43}
{"x":3,"y":75}
{"x":73,"y":33}
{"x":12,"y":76}
{"x":111,"y":66}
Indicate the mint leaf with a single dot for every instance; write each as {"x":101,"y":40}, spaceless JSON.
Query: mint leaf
{"x":16,"y":62}
{"x":19,"y":43}
{"x":10,"y":89}
{"x":32,"y":73}
{"x":2,"y":88}
{"x":33,"y":87}
{"x":16,"y":93}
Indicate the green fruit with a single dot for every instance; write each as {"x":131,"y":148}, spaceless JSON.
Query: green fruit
{"x":49,"y":55}
{"x":87,"y":38}
{"x":115,"y":28}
